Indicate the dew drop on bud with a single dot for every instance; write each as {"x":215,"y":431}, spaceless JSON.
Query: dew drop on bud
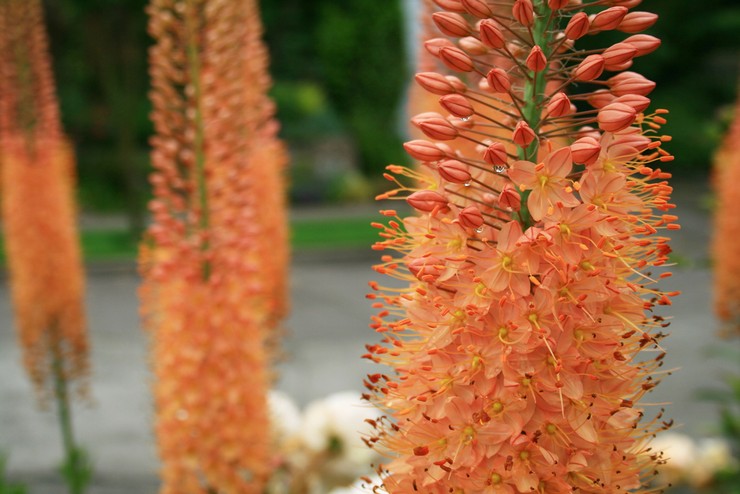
{"x":499,"y":168}
{"x":479,"y":229}
{"x":467,"y":184}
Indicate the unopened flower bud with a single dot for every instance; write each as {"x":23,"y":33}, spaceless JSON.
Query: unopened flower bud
{"x":589,"y":69}
{"x":432,"y":46}
{"x":585,"y":150}
{"x":428,"y":268}
{"x":634,"y":22}
{"x":472,"y":46}
{"x":457,"y":104}
{"x":577,"y":26}
{"x":523,"y":12}
{"x":615,"y":117}
{"x":536,"y":60}
{"x":496,"y":154}
{"x":509,"y":198}
{"x":639,"y":103}
{"x":471,"y":217}
{"x":454,"y":171}
{"x":457,"y":84}
{"x":557,"y":4}
{"x":498,"y":80}
{"x":456,"y":59}
{"x":618,"y":54}
{"x":451,"y":5}
{"x":608,"y":19}
{"x":427,"y":201}
{"x":434,"y":83}
{"x":600,"y":98}
{"x":438,"y":128}
{"x":491,"y":35}
{"x":643,"y":43}
{"x":479,"y":8}
{"x":559,"y":105}
{"x":630,"y":83}
{"x":423,"y":150}
{"x":523,"y":134}
{"x":451,"y":24}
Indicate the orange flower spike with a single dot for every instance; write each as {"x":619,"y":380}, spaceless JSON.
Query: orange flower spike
{"x":526,"y":259}
{"x":214,"y":261}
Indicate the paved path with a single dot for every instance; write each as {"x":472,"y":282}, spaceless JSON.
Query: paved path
{"x":328,"y":329}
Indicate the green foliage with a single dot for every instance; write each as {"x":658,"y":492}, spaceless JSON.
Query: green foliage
{"x":7,"y":487}
{"x":363,"y":69}
{"x":76,"y":470}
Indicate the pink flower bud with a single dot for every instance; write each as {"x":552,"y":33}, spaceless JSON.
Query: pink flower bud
{"x":536,"y":60}
{"x":608,"y":19}
{"x":454,"y":171}
{"x":615,"y":117}
{"x":634,"y":22}
{"x":478,"y":8}
{"x":643,"y":43}
{"x":456,"y":59}
{"x":557,"y":4}
{"x":490,"y":35}
{"x":496,"y":154}
{"x":578,"y":26}
{"x":600,"y":98}
{"x":451,"y":24}
{"x":438,"y":128}
{"x":498,"y":80}
{"x":423,"y":150}
{"x":427,"y":201}
{"x":457,"y":104}
{"x":435,"y":44}
{"x":428,"y":268}
{"x":451,"y":5}
{"x":471,"y":217}
{"x":589,"y":69}
{"x":420,"y":117}
{"x":434,"y":83}
{"x":523,"y":12}
{"x":639,"y":103}
{"x":559,"y":105}
{"x":585,"y":150}
{"x":618,"y":54}
{"x":523,"y":134}
{"x":457,"y":84}
{"x":509,"y":198}
{"x":472,"y":46}
{"x":630,"y":83}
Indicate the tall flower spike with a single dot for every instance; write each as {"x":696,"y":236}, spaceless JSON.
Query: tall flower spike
{"x":726,"y":180}
{"x":518,"y":343}
{"x":214,"y":258}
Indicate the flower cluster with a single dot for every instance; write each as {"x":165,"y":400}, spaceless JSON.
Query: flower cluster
{"x":38,"y":207}
{"x":526,"y":335}
{"x":214,"y":258}
{"x":727,"y":228}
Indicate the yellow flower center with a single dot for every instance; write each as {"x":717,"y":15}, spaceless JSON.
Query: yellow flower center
{"x":496,"y":478}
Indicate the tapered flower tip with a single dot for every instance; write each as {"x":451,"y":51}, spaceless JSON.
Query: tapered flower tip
{"x":427,"y":201}
{"x":608,"y":19}
{"x":490,"y":34}
{"x":523,"y":134}
{"x":456,"y":59}
{"x":451,"y":24}
{"x":600,"y":98}
{"x":498,"y":80}
{"x":615,"y":117}
{"x":454,"y":171}
{"x":589,"y":69}
{"x":643,"y":43}
{"x":435,"y":44}
{"x":536,"y":60}
{"x":523,"y":12}
{"x":634,"y":22}
{"x":423,"y":150}
{"x":559,"y":105}
{"x":416,"y":120}
{"x":577,"y":26}
{"x":427,"y":269}
{"x":478,"y":8}
{"x":630,"y":83}
{"x":639,"y":103}
{"x":585,"y":150}
{"x":459,"y":85}
{"x":471,"y":217}
{"x":439,"y":129}
{"x":434,"y":83}
{"x":451,"y":5}
{"x":472,"y":46}
{"x":510,"y":199}
{"x":457,"y":104}
{"x":618,"y":54}
{"x":496,"y":154}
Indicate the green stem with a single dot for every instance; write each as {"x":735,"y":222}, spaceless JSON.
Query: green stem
{"x":74,"y":468}
{"x":194,"y":66}
{"x":534,"y":95}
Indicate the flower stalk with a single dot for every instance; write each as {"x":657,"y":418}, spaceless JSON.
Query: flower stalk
{"x":526,"y":334}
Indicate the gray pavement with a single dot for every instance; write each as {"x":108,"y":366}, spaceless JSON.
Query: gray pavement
{"x":327,"y":333}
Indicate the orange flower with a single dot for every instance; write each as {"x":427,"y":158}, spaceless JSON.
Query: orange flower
{"x":517,"y":343}
{"x":215,"y":257}
{"x":726,"y":177}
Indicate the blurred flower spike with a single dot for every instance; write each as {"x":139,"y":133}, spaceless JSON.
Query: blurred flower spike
{"x":528,"y":331}
{"x":214,"y":258}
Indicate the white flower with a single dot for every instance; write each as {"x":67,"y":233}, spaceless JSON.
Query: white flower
{"x":679,"y":451}
{"x":285,"y":418}
{"x":713,"y":455}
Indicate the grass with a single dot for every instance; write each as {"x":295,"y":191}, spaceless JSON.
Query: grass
{"x":315,"y":234}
